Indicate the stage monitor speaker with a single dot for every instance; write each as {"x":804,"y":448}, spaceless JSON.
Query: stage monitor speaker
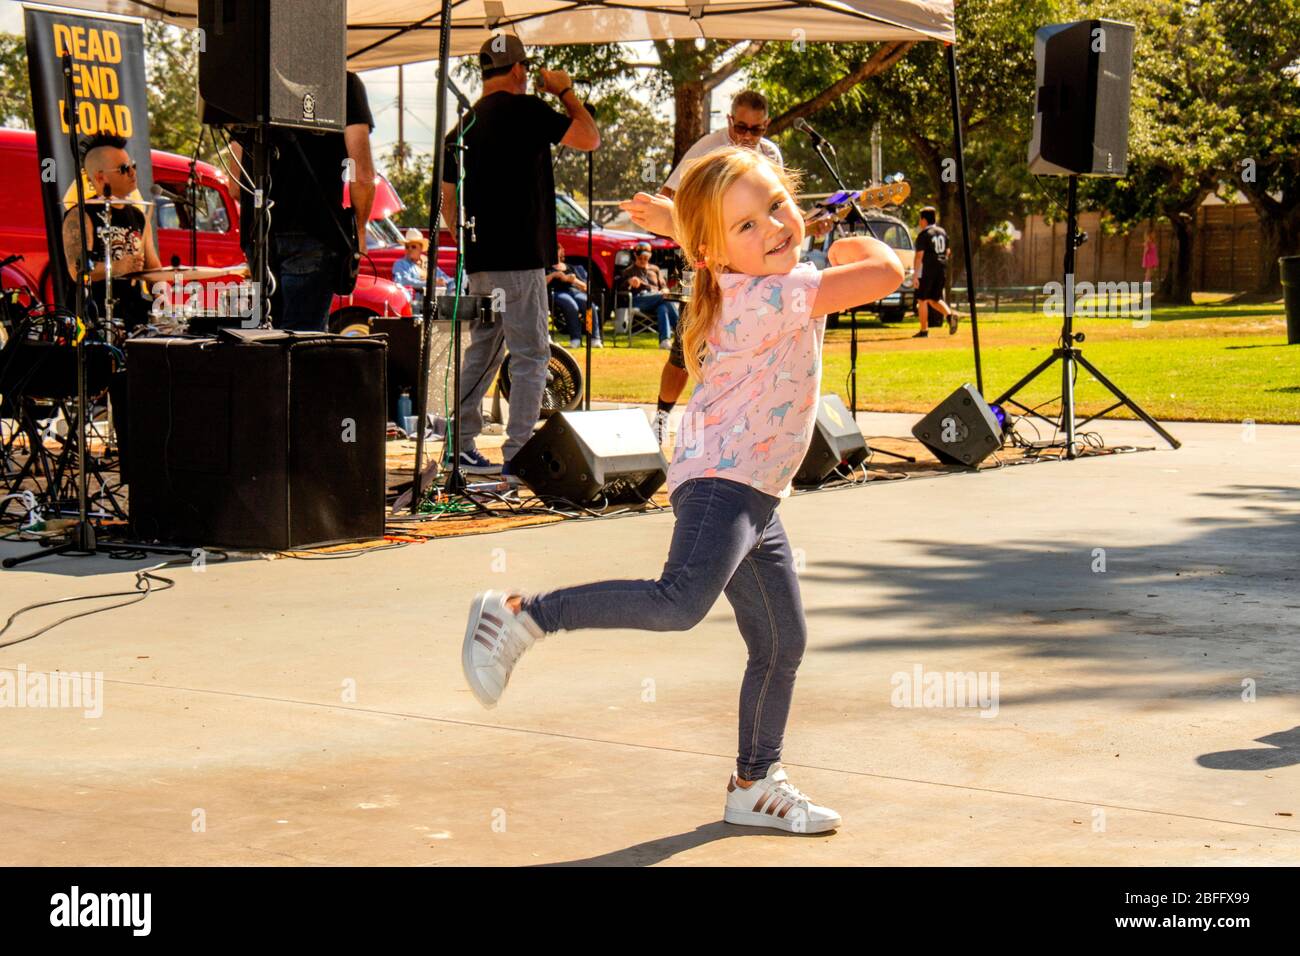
{"x":588,"y":457}
{"x":403,"y":333}
{"x":837,"y":442}
{"x":274,"y":63}
{"x":256,"y":440}
{"x":962,"y":431}
{"x":1084,"y":70}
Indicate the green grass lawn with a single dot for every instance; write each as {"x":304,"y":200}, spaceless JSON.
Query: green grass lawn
{"x":1207,"y":362}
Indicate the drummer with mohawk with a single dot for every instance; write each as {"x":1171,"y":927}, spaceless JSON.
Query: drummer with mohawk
{"x":111,"y":172}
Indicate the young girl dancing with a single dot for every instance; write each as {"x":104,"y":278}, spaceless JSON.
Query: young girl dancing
{"x":753,"y":340}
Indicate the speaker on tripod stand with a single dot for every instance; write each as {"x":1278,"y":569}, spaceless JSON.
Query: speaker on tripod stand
{"x":1080,"y":129}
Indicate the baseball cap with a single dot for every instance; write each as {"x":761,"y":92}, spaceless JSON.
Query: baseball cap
{"x":641,"y":247}
{"x":503,"y":49}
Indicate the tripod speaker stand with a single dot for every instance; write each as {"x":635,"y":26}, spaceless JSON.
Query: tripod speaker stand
{"x":1070,"y":356}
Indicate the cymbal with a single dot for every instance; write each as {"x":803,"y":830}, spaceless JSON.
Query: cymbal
{"x":186,"y":273}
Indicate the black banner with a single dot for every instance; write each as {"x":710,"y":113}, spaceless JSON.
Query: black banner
{"x":108,"y":82}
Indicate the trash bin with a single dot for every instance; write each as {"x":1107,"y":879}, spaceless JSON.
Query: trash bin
{"x":1289,"y":267}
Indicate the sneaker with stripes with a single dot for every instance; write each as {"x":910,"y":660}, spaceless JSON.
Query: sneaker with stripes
{"x":775,"y":802}
{"x":495,"y":639}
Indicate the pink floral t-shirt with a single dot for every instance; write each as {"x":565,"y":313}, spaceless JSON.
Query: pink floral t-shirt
{"x":751,"y":417}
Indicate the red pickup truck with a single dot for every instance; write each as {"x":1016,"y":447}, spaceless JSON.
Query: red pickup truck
{"x":611,"y":248}
{"x":22,"y":229}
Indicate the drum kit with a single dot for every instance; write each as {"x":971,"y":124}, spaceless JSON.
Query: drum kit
{"x":38,"y":379}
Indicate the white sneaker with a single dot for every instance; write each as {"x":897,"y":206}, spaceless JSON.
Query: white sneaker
{"x":660,"y":426}
{"x":775,"y":802}
{"x":575,"y":343}
{"x":666,"y":345}
{"x":495,"y":638}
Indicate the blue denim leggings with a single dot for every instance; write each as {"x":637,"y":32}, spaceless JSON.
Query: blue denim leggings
{"x":727,"y":539}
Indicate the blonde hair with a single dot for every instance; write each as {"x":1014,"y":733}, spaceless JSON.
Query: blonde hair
{"x":701,"y":231}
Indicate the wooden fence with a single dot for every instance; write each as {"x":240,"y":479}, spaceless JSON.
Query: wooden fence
{"x":1226,"y":251}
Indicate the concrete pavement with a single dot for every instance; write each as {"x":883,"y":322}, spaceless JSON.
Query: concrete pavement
{"x":1138,"y":612}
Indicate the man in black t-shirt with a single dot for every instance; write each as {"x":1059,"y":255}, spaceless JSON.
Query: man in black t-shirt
{"x":509,"y":198}
{"x":308,"y":239}
{"x":930,"y":267}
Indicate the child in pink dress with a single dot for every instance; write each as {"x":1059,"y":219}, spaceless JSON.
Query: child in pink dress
{"x":753,"y":339}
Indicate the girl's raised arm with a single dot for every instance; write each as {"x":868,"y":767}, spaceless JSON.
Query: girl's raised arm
{"x":862,"y":270}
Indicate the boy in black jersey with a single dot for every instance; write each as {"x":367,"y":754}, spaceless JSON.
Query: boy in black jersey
{"x":931,"y":269}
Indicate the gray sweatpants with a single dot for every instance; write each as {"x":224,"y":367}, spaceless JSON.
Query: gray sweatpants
{"x":523,"y":325}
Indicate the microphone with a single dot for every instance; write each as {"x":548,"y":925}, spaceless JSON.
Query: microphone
{"x":803,"y":126}
{"x":157,"y":192}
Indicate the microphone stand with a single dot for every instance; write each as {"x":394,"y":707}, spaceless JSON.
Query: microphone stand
{"x":818,"y":142}
{"x":455,"y":483}
{"x":191,"y":194}
{"x":588,"y":326}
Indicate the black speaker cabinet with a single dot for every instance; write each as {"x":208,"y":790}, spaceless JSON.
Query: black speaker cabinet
{"x":256,"y":440}
{"x":962,"y":430}
{"x":274,"y":62}
{"x":837,"y":442}
{"x":403,"y":359}
{"x":586,"y":457}
{"x":1084,"y":70}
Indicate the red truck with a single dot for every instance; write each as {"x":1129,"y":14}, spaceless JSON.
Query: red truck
{"x":22,"y":229}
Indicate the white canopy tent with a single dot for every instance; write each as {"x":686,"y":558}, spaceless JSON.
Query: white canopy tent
{"x":391,"y":32}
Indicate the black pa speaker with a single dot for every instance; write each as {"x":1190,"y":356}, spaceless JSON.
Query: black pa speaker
{"x":1084,"y":71}
{"x":256,"y":440}
{"x":403,"y":334}
{"x":962,"y":431}
{"x":274,"y":63}
{"x":586,"y":457}
{"x":837,"y":441}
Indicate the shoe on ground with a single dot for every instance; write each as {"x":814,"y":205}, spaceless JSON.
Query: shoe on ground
{"x":660,"y":426}
{"x":666,"y":344}
{"x":495,"y":639}
{"x":923,"y":334}
{"x":575,"y":343}
{"x":777,"y":803}
{"x":472,"y":463}
{"x":952,"y":323}
{"x":597,"y":344}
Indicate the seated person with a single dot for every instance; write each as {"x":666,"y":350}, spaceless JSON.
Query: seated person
{"x":412,"y":269}
{"x":130,"y":240}
{"x":569,"y":286}
{"x":647,"y":284}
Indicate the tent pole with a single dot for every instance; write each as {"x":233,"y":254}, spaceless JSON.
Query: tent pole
{"x":965,"y":212}
{"x":435,"y":213}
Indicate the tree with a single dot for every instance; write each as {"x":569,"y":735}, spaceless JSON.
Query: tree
{"x":410,"y":174}
{"x":1183,"y":128}
{"x":15,"y":94}
{"x":634,"y":155}
{"x":908,"y":93}
{"x":172,"y":70}
{"x":1263,"y":81}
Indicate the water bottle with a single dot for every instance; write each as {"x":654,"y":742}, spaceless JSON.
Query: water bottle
{"x":404,"y":409}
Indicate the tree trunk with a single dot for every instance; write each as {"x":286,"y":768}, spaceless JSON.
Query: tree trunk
{"x":690,"y":101}
{"x":1176,"y":286}
{"x":1279,"y":235}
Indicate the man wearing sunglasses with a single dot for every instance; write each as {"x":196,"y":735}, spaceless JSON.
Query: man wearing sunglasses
{"x":111,"y":172}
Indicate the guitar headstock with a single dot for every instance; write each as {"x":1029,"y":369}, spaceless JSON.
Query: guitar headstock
{"x":887,"y":194}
